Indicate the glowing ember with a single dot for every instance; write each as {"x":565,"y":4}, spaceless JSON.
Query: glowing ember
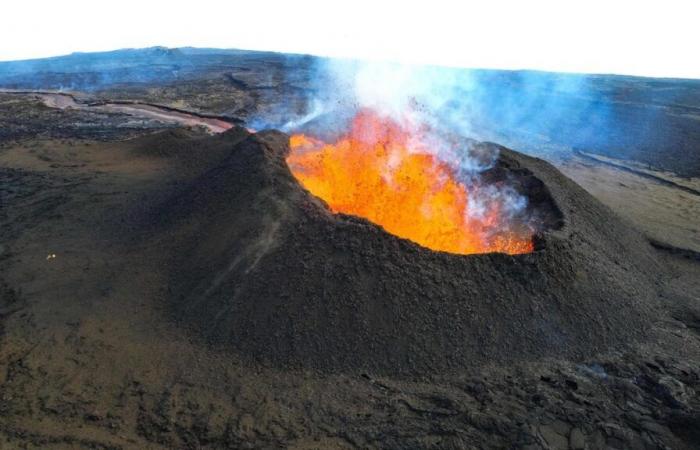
{"x":380,"y":171}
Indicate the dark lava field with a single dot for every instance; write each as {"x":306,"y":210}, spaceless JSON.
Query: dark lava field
{"x":167,"y":283}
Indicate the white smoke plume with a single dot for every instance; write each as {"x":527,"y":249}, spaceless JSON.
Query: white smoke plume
{"x":422,"y":97}
{"x":533,"y":112}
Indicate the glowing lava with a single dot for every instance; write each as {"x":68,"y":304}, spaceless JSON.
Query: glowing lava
{"x":381,"y":170}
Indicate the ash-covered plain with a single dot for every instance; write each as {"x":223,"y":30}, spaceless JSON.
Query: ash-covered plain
{"x":164,"y":285}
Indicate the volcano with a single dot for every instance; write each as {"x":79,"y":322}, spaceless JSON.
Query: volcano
{"x":264,"y":268}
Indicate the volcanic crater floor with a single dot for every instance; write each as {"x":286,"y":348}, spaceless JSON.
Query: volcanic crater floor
{"x":180,"y":290}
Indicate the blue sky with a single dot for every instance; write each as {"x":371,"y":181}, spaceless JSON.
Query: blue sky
{"x":653,"y":38}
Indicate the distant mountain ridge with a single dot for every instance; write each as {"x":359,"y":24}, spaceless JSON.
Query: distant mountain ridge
{"x":91,"y":71}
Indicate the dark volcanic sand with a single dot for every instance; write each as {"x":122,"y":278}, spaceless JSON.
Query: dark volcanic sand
{"x":327,"y":332}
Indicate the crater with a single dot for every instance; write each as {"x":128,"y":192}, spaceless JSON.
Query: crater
{"x":451,"y":195}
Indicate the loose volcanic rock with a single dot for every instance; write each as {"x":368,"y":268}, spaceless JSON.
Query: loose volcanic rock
{"x":263,"y":268}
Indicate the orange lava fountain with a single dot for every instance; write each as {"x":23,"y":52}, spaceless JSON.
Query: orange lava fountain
{"x":380,"y":172}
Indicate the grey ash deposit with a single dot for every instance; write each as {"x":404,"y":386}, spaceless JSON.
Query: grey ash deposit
{"x":261,"y":267}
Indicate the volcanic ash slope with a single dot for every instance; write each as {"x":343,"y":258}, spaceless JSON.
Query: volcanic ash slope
{"x":263,"y":268}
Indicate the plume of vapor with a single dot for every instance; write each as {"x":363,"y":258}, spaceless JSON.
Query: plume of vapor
{"x":453,"y":108}
{"x":420,"y":97}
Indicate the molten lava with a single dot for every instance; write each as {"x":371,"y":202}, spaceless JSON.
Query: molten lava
{"x":383,"y":171}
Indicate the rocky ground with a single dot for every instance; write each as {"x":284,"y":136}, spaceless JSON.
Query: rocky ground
{"x":91,"y":358}
{"x":663,"y":208}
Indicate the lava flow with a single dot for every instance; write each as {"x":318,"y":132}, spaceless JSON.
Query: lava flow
{"x":382,"y":171}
